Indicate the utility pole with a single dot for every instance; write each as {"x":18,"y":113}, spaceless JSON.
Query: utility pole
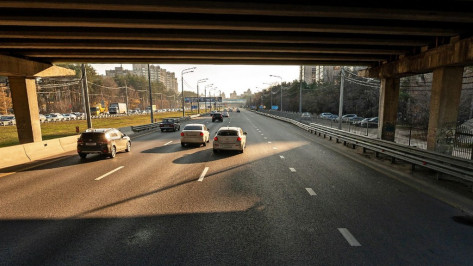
{"x":150,"y":96}
{"x":85,"y":96}
{"x":340,"y":107}
{"x":126,"y":97}
{"x":300,"y":90}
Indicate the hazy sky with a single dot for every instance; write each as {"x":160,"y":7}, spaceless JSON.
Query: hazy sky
{"x":227,"y":78}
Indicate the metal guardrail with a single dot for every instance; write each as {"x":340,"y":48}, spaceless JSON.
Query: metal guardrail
{"x":457,"y":167}
{"x":144,"y":127}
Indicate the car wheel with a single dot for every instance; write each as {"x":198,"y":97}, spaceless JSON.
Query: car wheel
{"x":183,"y":144}
{"x":215,"y":150}
{"x":113,"y":153}
{"x":204,"y":143}
{"x":82,"y":155}
{"x":128,"y":147}
{"x":162,"y":130}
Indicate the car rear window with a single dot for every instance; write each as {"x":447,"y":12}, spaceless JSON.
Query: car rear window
{"x":94,"y":136}
{"x":193,"y":128}
{"x":228,"y":133}
{"x":168,"y":120}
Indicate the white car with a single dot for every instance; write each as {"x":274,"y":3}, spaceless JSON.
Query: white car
{"x":229,"y":138}
{"x":194,"y":134}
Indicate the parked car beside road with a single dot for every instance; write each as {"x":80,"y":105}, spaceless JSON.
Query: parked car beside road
{"x":7,"y":120}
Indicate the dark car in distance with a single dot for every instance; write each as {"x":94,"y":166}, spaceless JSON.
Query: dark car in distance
{"x":103,"y":141}
{"x":217,"y":117}
{"x":170,"y":124}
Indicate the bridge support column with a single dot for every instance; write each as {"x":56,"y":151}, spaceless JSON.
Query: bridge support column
{"x":25,"y":104}
{"x":388,"y":104}
{"x":444,"y":104}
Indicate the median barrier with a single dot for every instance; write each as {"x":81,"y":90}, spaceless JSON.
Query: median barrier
{"x":43,"y":149}
{"x":126,"y":130}
{"x":14,"y":155}
{"x":69,"y":143}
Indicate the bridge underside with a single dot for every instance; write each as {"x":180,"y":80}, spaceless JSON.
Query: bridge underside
{"x":391,"y":39}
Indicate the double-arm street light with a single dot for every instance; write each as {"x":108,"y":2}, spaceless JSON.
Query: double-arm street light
{"x":270,"y":92}
{"x":205,"y":94}
{"x":198,"y":101}
{"x":279,"y":77}
{"x":185,"y":71}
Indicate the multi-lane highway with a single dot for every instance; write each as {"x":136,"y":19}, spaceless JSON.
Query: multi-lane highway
{"x":290,"y":198}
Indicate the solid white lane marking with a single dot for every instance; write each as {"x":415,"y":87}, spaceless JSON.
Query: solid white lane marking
{"x":282,"y":157}
{"x":109,"y":173}
{"x":168,"y":143}
{"x":292,"y":169}
{"x":311,"y":191}
{"x":203,"y":174}
{"x":349,"y":237}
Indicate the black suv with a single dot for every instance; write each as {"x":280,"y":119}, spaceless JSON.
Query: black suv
{"x":217,"y":117}
{"x":104,"y":141}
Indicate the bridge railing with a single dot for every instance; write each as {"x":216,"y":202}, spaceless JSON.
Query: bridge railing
{"x":409,"y":135}
{"x":457,"y":167}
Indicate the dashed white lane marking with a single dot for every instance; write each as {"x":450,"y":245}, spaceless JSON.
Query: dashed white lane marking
{"x":168,"y":143}
{"x":275,"y":148}
{"x":349,"y":237}
{"x":269,"y":142}
{"x":203,"y":174}
{"x":109,"y":173}
{"x":292,"y":169}
{"x":311,"y":191}
{"x":262,"y":134}
{"x":265,"y":137}
{"x":282,"y":157}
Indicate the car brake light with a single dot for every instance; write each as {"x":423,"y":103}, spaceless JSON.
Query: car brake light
{"x":80,"y":141}
{"x":182,"y":134}
{"x":216,"y":139}
{"x":238,"y":139}
{"x":201,"y":133}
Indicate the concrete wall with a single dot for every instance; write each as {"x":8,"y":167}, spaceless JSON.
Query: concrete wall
{"x":19,"y":154}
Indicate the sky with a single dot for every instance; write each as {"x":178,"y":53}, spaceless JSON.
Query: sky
{"x":227,"y":78}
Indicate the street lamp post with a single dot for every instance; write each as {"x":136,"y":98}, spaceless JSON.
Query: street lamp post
{"x":198,"y":101}
{"x":185,"y":71}
{"x":274,"y":76}
{"x":205,"y":94}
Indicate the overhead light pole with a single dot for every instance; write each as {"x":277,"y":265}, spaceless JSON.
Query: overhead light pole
{"x":279,"y":77}
{"x":198,"y":101}
{"x":185,"y":71}
{"x":205,"y":94}
{"x":270,"y":93}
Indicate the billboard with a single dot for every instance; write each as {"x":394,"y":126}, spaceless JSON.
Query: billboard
{"x":202,"y":99}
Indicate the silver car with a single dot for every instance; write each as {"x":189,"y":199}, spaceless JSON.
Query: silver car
{"x":195,"y":134}
{"x":229,"y":138}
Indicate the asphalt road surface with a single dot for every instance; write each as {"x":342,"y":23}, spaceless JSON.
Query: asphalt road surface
{"x":289,"y":199}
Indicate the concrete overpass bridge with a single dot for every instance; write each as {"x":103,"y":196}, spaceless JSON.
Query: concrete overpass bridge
{"x":391,"y":39}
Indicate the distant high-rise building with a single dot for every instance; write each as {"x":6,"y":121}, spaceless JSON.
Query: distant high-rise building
{"x":157,"y":74}
{"x":118,"y":71}
{"x":329,"y":74}
{"x":233,"y":95}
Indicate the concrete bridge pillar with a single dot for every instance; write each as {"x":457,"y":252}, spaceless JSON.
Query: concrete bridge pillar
{"x":388,"y":104}
{"x":444,"y":104}
{"x":25,"y":105}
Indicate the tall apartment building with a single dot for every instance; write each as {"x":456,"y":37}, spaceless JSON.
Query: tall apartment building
{"x":118,"y":71}
{"x":156,"y":74}
{"x":329,"y":74}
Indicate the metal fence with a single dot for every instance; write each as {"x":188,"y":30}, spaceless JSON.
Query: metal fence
{"x":408,"y":135}
{"x":463,"y":143}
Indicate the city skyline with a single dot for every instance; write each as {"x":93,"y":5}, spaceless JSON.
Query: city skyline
{"x":227,"y":78}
